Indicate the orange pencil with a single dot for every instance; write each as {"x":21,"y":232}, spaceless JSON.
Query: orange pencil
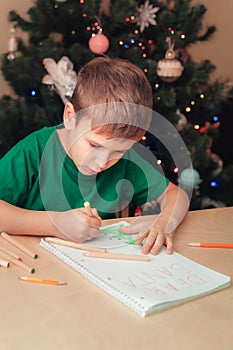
{"x":41,"y":280}
{"x":210,"y":245}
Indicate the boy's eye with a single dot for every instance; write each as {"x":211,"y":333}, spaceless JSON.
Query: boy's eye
{"x":94,"y":144}
{"x":119,"y":152}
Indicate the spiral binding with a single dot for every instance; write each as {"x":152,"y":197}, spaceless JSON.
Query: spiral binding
{"x":100,"y":282}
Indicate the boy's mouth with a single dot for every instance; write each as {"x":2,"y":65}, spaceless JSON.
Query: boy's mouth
{"x":88,"y":171}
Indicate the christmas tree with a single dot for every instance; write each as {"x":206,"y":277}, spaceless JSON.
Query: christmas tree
{"x":153,"y":34}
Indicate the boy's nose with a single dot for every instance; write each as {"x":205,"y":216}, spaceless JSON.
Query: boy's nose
{"x":101,"y":159}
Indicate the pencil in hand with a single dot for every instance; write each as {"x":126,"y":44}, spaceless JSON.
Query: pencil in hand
{"x":88,"y":209}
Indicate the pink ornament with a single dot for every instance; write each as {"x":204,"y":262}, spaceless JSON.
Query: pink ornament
{"x":99,"y":44}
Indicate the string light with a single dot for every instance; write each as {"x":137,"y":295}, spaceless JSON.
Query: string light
{"x":159,"y":161}
{"x":143,"y":138}
{"x":176,"y":170}
{"x":202,"y":95}
{"x":215,"y":118}
{"x":192,"y":103}
{"x":214,"y":183}
{"x":156,"y":85}
{"x":196,"y":127}
{"x":171,"y":30}
{"x":33,"y":93}
{"x":188,"y":109}
{"x":183,"y":36}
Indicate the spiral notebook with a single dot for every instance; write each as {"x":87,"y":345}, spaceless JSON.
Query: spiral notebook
{"x":145,"y":287}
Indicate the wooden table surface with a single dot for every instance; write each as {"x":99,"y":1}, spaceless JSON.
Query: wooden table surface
{"x":81,"y":316}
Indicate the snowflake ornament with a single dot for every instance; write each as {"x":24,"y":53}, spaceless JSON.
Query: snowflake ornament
{"x":61,"y":76}
{"x":146,"y":15}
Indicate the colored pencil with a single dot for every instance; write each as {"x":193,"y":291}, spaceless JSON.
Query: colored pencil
{"x":117,"y":256}
{"x":42,"y":280}
{"x":73,"y":244}
{"x":4,"y":263}
{"x":17,"y":262}
{"x":10,"y":253}
{"x":210,"y":245}
{"x":88,"y":208}
{"x":18,"y":245}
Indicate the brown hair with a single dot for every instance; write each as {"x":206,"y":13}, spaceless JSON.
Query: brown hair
{"x":120,"y":92}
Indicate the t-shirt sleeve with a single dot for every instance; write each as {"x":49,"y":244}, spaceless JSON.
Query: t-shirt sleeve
{"x":147,"y":181}
{"x":16,"y":174}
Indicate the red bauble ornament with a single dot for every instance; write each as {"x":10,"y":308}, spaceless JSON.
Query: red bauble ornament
{"x":98,"y":44}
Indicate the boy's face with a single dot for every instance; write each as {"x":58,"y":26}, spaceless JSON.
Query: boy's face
{"x":93,"y":152}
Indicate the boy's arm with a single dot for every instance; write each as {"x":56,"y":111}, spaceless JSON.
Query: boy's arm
{"x":18,"y":221}
{"x":75,"y":224}
{"x":174,"y":204}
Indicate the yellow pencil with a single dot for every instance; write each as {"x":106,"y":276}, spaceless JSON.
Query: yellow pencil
{"x":42,"y":280}
{"x":117,"y":256}
{"x":73,"y":244}
{"x":18,"y":245}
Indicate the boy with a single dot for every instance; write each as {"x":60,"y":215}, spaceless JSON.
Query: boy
{"x":46,"y":178}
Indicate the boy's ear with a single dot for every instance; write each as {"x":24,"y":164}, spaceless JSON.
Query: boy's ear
{"x":69,"y":116}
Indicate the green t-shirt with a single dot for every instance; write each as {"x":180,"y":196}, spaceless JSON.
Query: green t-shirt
{"x":37,"y":174}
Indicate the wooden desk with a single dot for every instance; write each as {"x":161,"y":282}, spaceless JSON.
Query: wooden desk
{"x":81,"y":316}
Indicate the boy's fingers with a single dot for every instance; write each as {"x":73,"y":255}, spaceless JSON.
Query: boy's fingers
{"x":95,"y":213}
{"x":130,"y":230}
{"x":153,"y":243}
{"x":170,"y":245}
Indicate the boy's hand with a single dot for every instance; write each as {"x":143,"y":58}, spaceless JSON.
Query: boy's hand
{"x":76,"y":225}
{"x":154,"y":236}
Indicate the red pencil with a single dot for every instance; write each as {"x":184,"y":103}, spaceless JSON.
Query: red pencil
{"x":211,"y":245}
